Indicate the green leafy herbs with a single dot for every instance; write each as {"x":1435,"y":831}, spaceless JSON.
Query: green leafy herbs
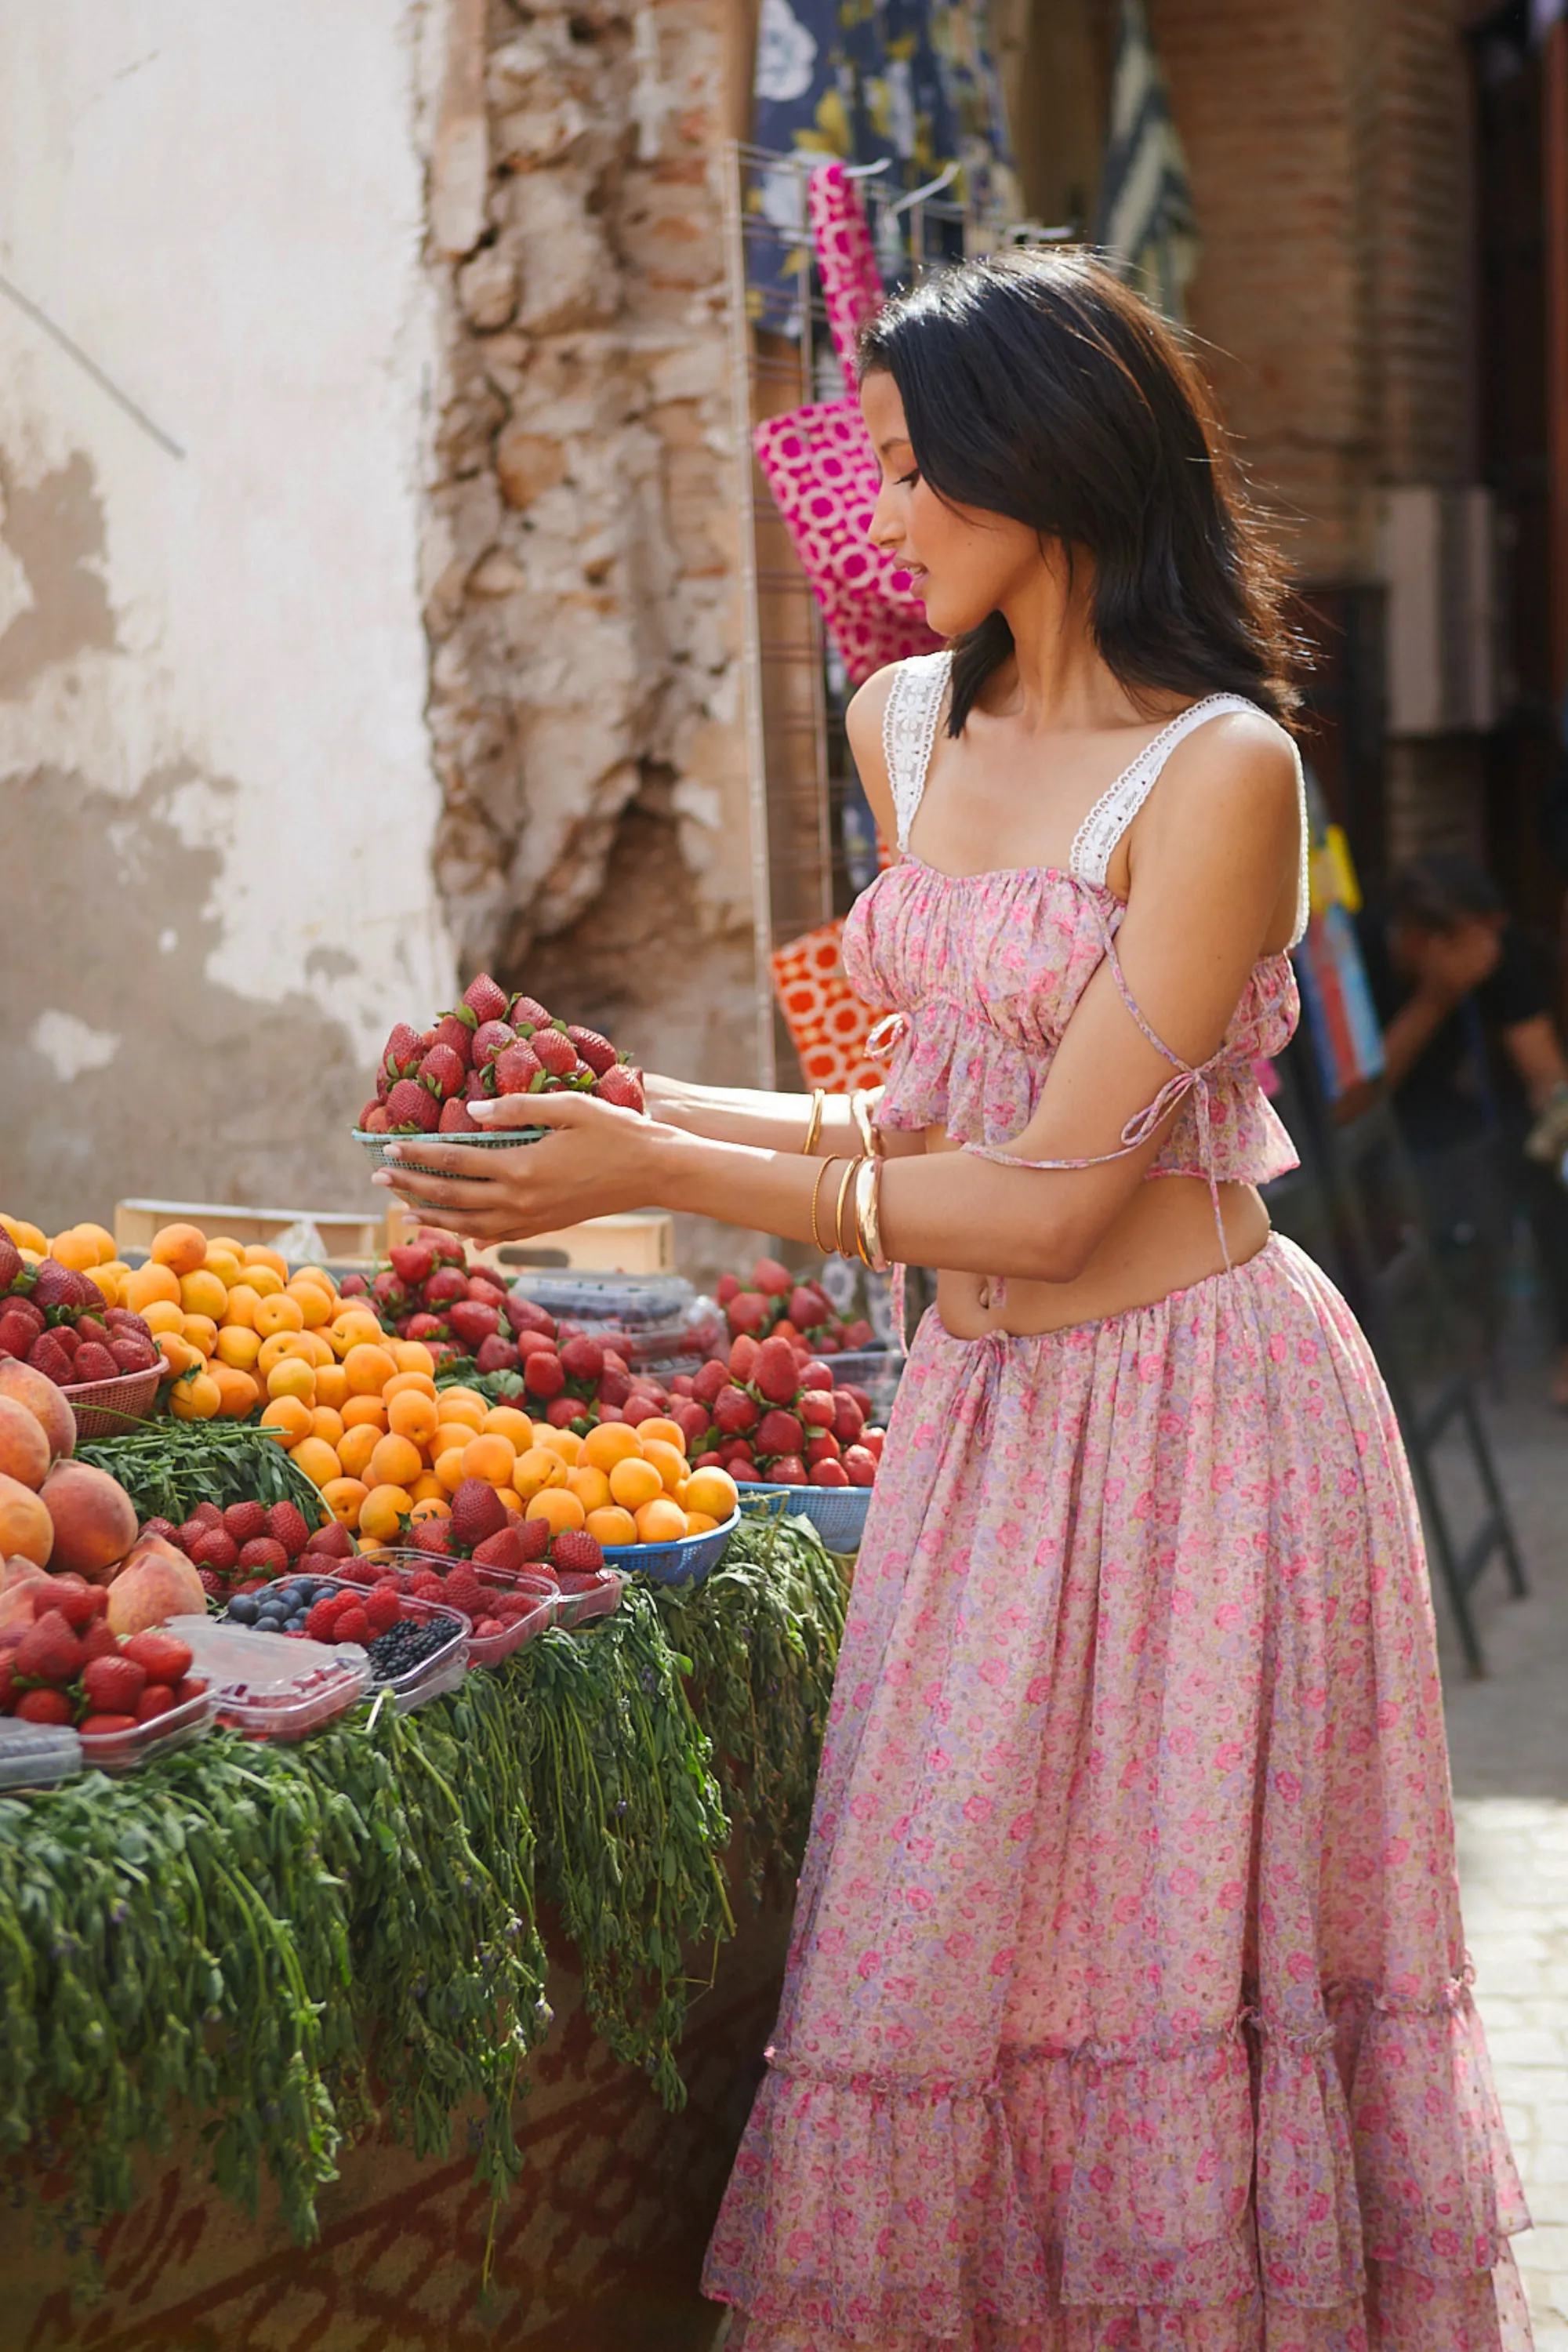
{"x":167,"y":1468}
{"x":293,"y":1944}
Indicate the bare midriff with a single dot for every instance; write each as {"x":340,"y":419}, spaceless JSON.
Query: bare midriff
{"x":1164,"y":1240}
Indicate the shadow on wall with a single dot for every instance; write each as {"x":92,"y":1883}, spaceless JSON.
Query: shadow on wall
{"x":124,"y":1069}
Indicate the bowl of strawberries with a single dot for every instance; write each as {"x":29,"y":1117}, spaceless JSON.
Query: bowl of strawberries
{"x":489,"y":1046}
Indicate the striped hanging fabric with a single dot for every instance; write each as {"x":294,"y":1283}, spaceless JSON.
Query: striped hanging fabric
{"x":1146,"y":227}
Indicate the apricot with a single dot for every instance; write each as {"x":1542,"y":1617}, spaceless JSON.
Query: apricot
{"x":44,"y":1401}
{"x":179,"y":1355}
{"x":280,"y":1313}
{"x":661,"y":1521}
{"x":412,"y":1356}
{"x":712,"y":1492}
{"x":383,"y":1510}
{"x":144,"y":1284}
{"x":533,"y":1472}
{"x":292,"y":1378}
{"x":224,"y":1265}
{"x":505,"y":1421}
{"x":427,"y":1488}
{"x":414,"y":1416}
{"x":669,"y":1432}
{"x":315,"y":1458}
{"x":448,"y":1466}
{"x":182,"y":1248}
{"x":364,"y":1411}
{"x":634,"y":1483}
{"x":202,"y":1294}
{"x":325,"y":1422}
{"x":610,"y":1442}
{"x":368,"y":1368}
{"x":700,"y":1523}
{"x":493,"y":1459}
{"x":94,"y":1520}
{"x":669,"y":1461}
{"x":24,"y":1448}
{"x":239,"y":1311}
{"x":465,"y":1404}
{"x":197,"y":1399}
{"x":564,"y":1442}
{"x":314,"y":1303}
{"x":559,"y":1509}
{"x":288,"y":1419}
{"x":344,"y":1497}
{"x":402,"y":1382}
{"x":255,"y":1254}
{"x":25,"y":1527}
{"x":592,"y":1487}
{"x":202,"y":1332}
{"x":355,"y":1448}
{"x":239,"y":1395}
{"x":263,"y":1281}
{"x":237,"y":1346}
{"x":332,"y":1385}
{"x":396,"y":1462}
{"x":107,"y":1279}
{"x":430,"y":1507}
{"x":611,"y":1525}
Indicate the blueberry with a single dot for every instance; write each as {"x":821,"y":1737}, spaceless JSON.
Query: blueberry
{"x":243,"y":1608}
{"x":297,"y":1622}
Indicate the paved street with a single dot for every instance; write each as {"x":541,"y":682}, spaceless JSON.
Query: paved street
{"x":1509,"y":1754}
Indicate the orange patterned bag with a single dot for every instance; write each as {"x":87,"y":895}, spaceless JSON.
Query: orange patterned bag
{"x":827,"y":1020}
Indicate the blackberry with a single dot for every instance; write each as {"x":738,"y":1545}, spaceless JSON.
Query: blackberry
{"x":405,"y":1645}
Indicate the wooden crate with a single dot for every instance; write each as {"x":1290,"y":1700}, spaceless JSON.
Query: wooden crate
{"x":636,"y":1241}
{"x":345,"y":1233}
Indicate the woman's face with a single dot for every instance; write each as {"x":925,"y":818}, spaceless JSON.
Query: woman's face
{"x":964,"y":563}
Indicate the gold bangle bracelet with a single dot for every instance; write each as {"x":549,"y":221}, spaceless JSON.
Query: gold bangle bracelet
{"x":850,"y":1166}
{"x":860,"y":1112}
{"x":814,"y":1124}
{"x":818,"y":1242}
{"x":868,"y":1216}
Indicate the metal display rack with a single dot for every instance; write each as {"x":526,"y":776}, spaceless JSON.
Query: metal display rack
{"x":781,"y":356}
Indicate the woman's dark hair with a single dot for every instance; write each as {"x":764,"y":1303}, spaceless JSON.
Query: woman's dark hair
{"x":1037,"y":385}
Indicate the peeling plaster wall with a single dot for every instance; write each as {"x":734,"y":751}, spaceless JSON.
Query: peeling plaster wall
{"x":582,"y":592}
{"x":216,"y":805}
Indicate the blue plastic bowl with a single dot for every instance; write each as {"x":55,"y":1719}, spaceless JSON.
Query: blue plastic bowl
{"x":837,"y":1513}
{"x":686,"y":1562}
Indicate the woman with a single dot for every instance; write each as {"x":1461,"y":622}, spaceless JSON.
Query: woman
{"x":1127,"y":2005}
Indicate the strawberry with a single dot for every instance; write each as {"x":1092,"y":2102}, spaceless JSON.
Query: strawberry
{"x":556,"y":1053}
{"x":66,"y":1334}
{"x":485,"y":1000}
{"x":412,"y":1106}
{"x":777,"y":1432}
{"x":828,"y":1473}
{"x":582,"y":1359}
{"x":54,"y":1286}
{"x":848,"y":1420}
{"x":707,"y":1383}
{"x":533,"y":1535}
{"x":10,"y":1261}
{"x":816,"y":1374}
{"x":48,"y":1356}
{"x":77,"y":1600}
{"x":166,"y":1658}
{"x":44,"y":1706}
{"x":860,"y":1465}
{"x":106,"y":1727}
{"x":807,"y":1307}
{"x":263,"y":1557}
{"x":621,"y":1087}
{"x":457,"y":1118}
{"x":413,"y":1262}
{"x":576,"y":1552}
{"x":246,"y":1521}
{"x":542,"y":1376}
{"x":496,"y":1354}
{"x":451,"y":1031}
{"x":530,"y":1010}
{"x":789,"y":1470}
{"x":155,"y":1700}
{"x":822,"y":1446}
{"x":471,"y":1322}
{"x":478,"y":1511}
{"x":214,"y":1585}
{"x":691,"y":1418}
{"x":133,"y":1355}
{"x":216,"y":1549}
{"x":445,"y":1285}
{"x":114,"y":1685}
{"x":367,"y":1113}
{"x":506,"y":1550}
{"x":403,"y":1052}
{"x":432,"y":1535}
{"x":734,"y":1412}
{"x":49,"y":1651}
{"x":516,"y":1068}
{"x":98,"y":1642}
{"x":492,"y":1037}
{"x":443,"y":1072}
{"x":332,"y":1542}
{"x":815,"y":1408}
{"x":527,"y":1315}
{"x":93,"y":1364}
{"x":190,"y":1686}
{"x":596,"y":1050}
{"x":17,"y":1333}
{"x":285,"y":1525}
{"x":773,"y":1373}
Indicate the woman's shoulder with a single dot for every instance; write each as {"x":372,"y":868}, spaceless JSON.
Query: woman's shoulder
{"x":865,"y":718}
{"x":1239,"y":767}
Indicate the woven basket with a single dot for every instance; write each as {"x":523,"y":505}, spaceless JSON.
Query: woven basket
{"x":375,"y":1147}
{"x":105,"y":1408}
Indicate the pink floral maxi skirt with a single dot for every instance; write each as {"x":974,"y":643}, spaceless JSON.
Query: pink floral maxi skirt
{"x":1126,"y":2008}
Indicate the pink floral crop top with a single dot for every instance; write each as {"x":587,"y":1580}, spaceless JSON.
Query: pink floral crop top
{"x":984,"y":972}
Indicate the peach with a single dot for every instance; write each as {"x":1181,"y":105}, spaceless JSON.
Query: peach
{"x":24,"y":1448}
{"x":26,"y":1526}
{"x":155,"y":1582}
{"x":94,"y":1520}
{"x":44,"y":1401}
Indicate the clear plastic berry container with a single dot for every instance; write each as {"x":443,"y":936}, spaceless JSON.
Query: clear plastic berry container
{"x":441,"y":1670}
{"x":37,"y":1755}
{"x":268,"y":1685}
{"x":177,"y":1726}
{"x":489,"y":1649}
{"x":601,"y":1598}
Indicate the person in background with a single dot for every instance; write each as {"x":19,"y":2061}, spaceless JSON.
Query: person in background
{"x":1474,"y":1065}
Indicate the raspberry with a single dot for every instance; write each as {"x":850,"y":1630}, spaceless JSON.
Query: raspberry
{"x":383,"y":1608}
{"x":353,"y":1625}
{"x":426,"y":1587}
{"x":321,"y":1619}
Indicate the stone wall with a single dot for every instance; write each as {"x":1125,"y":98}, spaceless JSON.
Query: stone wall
{"x":582,"y":590}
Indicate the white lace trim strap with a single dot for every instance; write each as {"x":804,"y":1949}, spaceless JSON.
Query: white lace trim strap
{"x":909,"y":731}
{"x":1115,"y":809}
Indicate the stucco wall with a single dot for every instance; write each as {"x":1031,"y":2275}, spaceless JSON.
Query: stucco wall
{"x":216,"y":802}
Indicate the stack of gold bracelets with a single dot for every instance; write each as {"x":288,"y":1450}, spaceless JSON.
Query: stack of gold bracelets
{"x":859,"y":1188}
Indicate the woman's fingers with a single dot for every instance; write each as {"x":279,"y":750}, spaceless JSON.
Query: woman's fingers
{"x":433,"y":1191}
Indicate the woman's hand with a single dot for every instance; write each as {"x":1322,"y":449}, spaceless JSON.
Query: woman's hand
{"x":597,"y":1159}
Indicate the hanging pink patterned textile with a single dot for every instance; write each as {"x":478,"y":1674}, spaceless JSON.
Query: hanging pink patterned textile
{"x":822,"y":469}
